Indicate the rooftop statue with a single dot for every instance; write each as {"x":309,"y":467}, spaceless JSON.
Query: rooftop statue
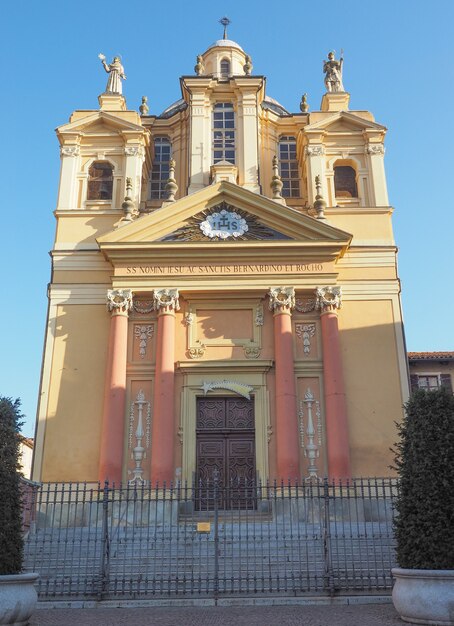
{"x":333,"y":73}
{"x":116,"y":73}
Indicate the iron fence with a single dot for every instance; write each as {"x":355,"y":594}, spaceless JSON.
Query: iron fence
{"x":93,"y":541}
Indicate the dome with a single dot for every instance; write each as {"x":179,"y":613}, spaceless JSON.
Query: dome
{"x":226,"y":43}
{"x":175,"y":107}
{"x":275,"y":106}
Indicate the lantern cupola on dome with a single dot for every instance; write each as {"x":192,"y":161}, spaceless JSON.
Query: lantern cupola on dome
{"x":224,"y":58}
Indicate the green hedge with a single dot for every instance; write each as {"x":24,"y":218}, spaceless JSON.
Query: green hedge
{"x":424,"y":459}
{"x":11,"y":541}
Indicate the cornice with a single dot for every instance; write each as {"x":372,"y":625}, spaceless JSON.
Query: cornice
{"x":360,"y":122}
{"x":95,"y":116}
{"x":87,"y":212}
{"x":378,"y":210}
{"x":238,"y":253}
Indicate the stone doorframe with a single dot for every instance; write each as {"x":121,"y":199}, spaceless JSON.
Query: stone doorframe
{"x":247,"y":373}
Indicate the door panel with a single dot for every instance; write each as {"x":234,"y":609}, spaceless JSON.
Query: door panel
{"x":210,"y":468}
{"x":210,"y":414}
{"x":225,"y":452}
{"x":239,"y":414}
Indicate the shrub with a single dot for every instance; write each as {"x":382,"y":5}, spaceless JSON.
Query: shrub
{"x":424,"y":459}
{"x":11,"y":542}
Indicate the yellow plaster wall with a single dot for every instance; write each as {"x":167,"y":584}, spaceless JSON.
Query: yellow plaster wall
{"x":84,"y":228}
{"x":82,"y":277}
{"x":363,"y":225}
{"x":372,"y":383}
{"x":72,"y":438}
{"x":368,"y":273}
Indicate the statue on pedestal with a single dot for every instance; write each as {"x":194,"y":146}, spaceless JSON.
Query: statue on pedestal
{"x":333,"y":73}
{"x":116,"y":73}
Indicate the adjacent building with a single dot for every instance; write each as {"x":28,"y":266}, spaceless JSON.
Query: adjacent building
{"x":431,"y":370}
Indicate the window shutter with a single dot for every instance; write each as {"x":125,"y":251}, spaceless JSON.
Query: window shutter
{"x":413,"y":382}
{"x":445,"y":380}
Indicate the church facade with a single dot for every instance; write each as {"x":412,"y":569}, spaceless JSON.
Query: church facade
{"x":224,"y":297}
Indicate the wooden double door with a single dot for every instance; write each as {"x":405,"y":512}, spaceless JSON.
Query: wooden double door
{"x":225,"y":452}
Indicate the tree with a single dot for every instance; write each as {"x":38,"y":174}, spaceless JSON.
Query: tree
{"x":11,"y":541}
{"x":424,"y":459}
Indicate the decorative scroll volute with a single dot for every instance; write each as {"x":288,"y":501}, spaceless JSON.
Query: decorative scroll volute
{"x":328,"y":299}
{"x":119,"y":301}
{"x":166,"y":300}
{"x":282,"y":299}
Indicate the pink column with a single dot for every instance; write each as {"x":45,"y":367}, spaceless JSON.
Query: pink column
{"x":119,"y":303}
{"x":287,"y":440}
{"x":163,"y":430}
{"x":337,"y":441}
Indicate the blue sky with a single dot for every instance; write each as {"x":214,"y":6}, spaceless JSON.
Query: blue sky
{"x":398,"y":64}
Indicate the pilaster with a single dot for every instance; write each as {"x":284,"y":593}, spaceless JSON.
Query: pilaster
{"x":328,"y":301}
{"x":166,"y":302}
{"x":247,"y":148}
{"x":375,"y":152}
{"x":119,"y":303}
{"x":134,"y":158}
{"x":70,"y":166}
{"x":282,"y":302}
{"x":200,"y":133}
{"x":314,"y":153}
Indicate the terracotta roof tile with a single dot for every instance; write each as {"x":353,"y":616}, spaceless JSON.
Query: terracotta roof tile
{"x":430,"y":356}
{"x":28,"y":441}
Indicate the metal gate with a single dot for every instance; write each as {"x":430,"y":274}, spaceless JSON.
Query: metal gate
{"x":143,"y":542}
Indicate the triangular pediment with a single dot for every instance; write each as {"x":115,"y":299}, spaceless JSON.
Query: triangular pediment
{"x":223,"y":221}
{"x":343,"y":121}
{"x":178,"y":225}
{"x":273,"y":217}
{"x":99,"y":122}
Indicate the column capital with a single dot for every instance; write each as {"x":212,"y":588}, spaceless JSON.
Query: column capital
{"x":119,"y":301}
{"x":282,"y":299}
{"x":166,"y":300}
{"x":328,"y":299}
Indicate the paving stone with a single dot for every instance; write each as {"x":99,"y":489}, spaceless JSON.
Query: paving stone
{"x":333,"y":615}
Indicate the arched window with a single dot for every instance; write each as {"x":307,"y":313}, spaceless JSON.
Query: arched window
{"x":288,"y":166}
{"x":345,"y":181}
{"x":225,"y":68}
{"x":223,"y":132}
{"x":160,"y":169}
{"x":100,"y":181}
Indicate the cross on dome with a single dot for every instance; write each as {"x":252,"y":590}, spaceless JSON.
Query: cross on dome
{"x":225,"y":22}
